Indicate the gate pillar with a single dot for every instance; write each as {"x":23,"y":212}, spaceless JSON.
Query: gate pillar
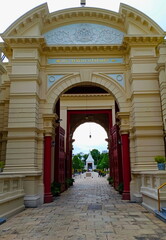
{"x":49,"y":121}
{"x":126,"y":166}
{"x":47,"y":169}
{"x":124,"y":130}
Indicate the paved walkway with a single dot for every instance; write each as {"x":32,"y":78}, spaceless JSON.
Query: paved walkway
{"x":90,"y":210}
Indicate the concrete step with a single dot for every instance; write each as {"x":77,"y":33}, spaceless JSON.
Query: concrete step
{"x":161,"y":215}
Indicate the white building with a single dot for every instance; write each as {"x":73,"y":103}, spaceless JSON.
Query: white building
{"x":90,"y":163}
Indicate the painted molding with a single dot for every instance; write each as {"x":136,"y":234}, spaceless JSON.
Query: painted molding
{"x":84,"y":60}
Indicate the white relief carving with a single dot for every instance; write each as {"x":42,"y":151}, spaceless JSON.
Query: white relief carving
{"x":84,"y":33}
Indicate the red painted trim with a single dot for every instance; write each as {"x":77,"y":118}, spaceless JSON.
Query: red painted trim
{"x":72,"y":112}
{"x":84,"y":112}
{"x":68,"y":138}
{"x":47,"y":170}
{"x":126,"y":166}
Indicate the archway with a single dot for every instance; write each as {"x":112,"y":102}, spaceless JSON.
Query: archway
{"x":103,"y":115}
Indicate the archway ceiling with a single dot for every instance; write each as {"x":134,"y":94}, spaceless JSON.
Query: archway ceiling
{"x":39,"y":20}
{"x":78,"y":119}
{"x":85,"y":89}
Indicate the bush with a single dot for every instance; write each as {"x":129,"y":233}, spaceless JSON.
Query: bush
{"x":69,"y":182}
{"x":160,"y":159}
{"x":110,"y":180}
{"x":120,"y":188}
{"x":2,"y":164}
{"x":55,"y":189}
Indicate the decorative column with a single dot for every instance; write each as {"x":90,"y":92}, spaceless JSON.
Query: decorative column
{"x":124,"y":130}
{"x":49,"y":120}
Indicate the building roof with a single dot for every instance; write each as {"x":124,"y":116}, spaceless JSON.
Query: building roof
{"x":89,"y":158}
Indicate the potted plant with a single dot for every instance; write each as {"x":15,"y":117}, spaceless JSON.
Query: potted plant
{"x":1,"y":166}
{"x":55,"y":189}
{"x":120,"y":188}
{"x":69,"y":182}
{"x":110,"y":180}
{"x":161,"y":160}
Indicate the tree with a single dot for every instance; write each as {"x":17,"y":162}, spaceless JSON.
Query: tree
{"x":96,"y":156}
{"x":103,"y":163}
{"x":84,"y":157}
{"x":77,"y":163}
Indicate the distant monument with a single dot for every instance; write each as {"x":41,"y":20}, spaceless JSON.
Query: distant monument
{"x":89,"y":163}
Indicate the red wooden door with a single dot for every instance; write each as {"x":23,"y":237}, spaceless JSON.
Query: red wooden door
{"x":59,"y":164}
{"x":116,"y":157}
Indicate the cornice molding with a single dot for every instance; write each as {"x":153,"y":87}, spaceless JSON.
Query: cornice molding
{"x":88,"y":14}
{"x":39,"y":42}
{"x":143,"y":76}
{"x":24,"y":40}
{"x":26,"y":20}
{"x":134,"y":15}
{"x":41,"y":17}
{"x":160,"y":67}
{"x":150,"y":40}
{"x":25,"y":77}
{"x":88,"y":49}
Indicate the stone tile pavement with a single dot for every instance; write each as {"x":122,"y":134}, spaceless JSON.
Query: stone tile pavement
{"x":90,"y":210}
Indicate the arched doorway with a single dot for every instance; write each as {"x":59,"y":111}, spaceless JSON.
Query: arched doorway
{"x":84,"y":111}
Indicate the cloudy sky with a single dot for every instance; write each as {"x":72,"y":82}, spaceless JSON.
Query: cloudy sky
{"x":11,"y":10}
{"x":89,"y":136}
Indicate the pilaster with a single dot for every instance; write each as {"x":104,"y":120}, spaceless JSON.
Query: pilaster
{"x":49,"y":123}
{"x":125,"y":145}
{"x":146,"y":128}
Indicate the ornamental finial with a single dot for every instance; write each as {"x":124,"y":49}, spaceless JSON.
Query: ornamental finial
{"x":83,"y":3}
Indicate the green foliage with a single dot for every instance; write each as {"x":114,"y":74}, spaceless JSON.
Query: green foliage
{"x":69,"y":182}
{"x":102,"y":173}
{"x":55,"y":189}
{"x":2,"y":164}
{"x":103,"y":163}
{"x":101,"y":160}
{"x":160,"y":159}
{"x":77,"y":163}
{"x":85,"y":157}
{"x":120,"y":188}
{"x":110,"y":180}
{"x":96,"y":156}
